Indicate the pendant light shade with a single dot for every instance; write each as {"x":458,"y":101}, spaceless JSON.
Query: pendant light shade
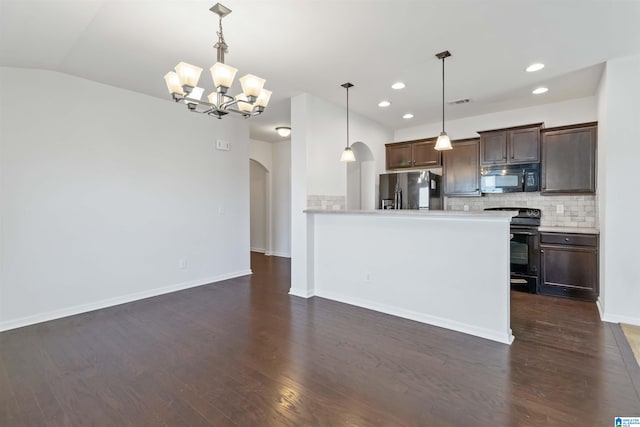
{"x":347,"y":154}
{"x":443,"y":142}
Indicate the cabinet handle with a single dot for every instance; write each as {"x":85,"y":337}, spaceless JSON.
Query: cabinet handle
{"x":566,"y":239}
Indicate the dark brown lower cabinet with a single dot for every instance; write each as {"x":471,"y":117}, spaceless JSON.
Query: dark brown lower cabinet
{"x":569,"y":265}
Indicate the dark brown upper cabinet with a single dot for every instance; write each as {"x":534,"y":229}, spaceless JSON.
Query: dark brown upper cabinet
{"x":520,"y":144}
{"x":413,"y":154}
{"x":569,"y":159}
{"x":460,"y":168}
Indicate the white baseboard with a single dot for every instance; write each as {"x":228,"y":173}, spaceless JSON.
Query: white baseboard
{"x":260,"y":250}
{"x":504,"y":338}
{"x":109,"y":302}
{"x":302,"y":293}
{"x":279,"y":254}
{"x":615,"y":318}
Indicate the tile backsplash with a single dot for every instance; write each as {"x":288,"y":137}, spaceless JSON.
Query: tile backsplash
{"x":326,"y":202}
{"x":578,"y":210}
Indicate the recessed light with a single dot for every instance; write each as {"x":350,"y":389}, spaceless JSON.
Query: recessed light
{"x":384,"y":104}
{"x":534,"y":67}
{"x":408,"y":116}
{"x":539,"y":90}
{"x":398,"y":86}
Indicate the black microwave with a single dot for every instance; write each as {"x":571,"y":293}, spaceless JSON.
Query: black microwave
{"x":510,"y":178}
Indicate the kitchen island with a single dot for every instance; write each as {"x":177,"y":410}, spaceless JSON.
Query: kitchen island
{"x":448,"y":269}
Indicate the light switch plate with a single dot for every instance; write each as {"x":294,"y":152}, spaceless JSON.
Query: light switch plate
{"x":223,"y":145}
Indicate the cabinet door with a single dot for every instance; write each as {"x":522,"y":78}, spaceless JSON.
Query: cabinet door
{"x":461,"y":169}
{"x":569,"y":161}
{"x":524,"y":145}
{"x":493,"y":148}
{"x":398,"y":156}
{"x":425,"y":155}
{"x":569,"y":271}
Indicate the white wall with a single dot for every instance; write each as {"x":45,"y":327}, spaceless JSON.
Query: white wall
{"x":103,"y":191}
{"x":281,"y":199}
{"x":327,"y":127}
{"x":258,"y":203}
{"x":378,"y":261}
{"x":556,"y":114}
{"x":318,"y":138}
{"x":618,"y":157}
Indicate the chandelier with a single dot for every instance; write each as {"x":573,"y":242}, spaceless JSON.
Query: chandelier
{"x":183,"y":84}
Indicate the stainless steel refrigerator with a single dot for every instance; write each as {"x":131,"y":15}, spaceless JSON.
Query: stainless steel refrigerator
{"x":410,"y":190}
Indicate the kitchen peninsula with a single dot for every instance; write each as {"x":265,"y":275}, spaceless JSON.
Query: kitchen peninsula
{"x":448,"y":269}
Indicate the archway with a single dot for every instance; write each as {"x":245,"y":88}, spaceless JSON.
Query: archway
{"x":259,"y":204}
{"x":361,"y":178}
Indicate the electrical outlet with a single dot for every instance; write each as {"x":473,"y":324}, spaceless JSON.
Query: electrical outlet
{"x":465,"y":208}
{"x":560,"y":209}
{"x":221,"y":210}
{"x":182,"y":263}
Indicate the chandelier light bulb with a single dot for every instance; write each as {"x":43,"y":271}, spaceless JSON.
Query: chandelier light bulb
{"x":188,"y":74}
{"x":173,"y":83}
{"x":223,"y":75}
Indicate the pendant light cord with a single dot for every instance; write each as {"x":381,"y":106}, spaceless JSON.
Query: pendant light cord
{"x":443,"y":95}
{"x":347,"y":117}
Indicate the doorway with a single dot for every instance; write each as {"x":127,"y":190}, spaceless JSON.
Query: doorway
{"x":259,"y":206}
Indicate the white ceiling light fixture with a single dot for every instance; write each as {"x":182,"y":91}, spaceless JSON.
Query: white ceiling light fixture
{"x":534,"y":67}
{"x":283,"y":131}
{"x":384,"y":104}
{"x":398,"y":86}
{"x":183,"y":84}
{"x":443,"y":142}
{"x":347,"y":154}
{"x":540,"y":90}
{"x":408,"y":116}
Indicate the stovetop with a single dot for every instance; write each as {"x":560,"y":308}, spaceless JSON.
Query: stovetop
{"x":526,"y":216}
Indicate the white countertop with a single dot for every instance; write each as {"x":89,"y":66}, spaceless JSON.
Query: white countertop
{"x":578,"y":230}
{"x":415,"y":213}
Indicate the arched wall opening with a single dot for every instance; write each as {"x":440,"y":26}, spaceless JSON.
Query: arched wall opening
{"x":361,"y":178}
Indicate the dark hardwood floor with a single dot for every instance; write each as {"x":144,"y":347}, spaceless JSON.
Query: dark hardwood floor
{"x":244,"y":353}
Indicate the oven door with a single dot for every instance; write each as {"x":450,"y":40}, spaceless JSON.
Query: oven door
{"x":525,"y":259}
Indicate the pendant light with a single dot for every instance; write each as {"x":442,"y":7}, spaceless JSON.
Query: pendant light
{"x":443,"y":142}
{"x":347,"y":154}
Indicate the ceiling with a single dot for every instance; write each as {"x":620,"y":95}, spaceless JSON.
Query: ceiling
{"x":314,"y":46}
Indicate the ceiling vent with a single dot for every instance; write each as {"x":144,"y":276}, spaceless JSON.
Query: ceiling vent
{"x":459,"y":101}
